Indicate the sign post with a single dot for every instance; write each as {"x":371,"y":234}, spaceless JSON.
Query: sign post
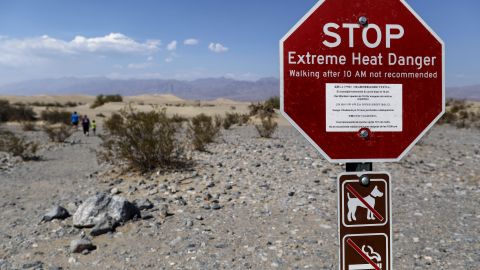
{"x":362,"y":81}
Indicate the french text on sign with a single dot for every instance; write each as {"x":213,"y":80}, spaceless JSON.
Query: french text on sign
{"x":351,"y":107}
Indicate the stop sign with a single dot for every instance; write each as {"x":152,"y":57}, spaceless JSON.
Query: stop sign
{"x":363,"y":81}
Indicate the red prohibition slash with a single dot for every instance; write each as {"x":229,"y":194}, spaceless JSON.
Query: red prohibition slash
{"x":364,"y":256}
{"x":356,"y":194}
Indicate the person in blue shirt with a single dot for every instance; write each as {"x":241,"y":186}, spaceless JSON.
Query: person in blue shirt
{"x":75,"y":119}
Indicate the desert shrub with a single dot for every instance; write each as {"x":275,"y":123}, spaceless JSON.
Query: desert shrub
{"x":273,"y":102}
{"x":15,"y":112}
{"x":201,"y":131}
{"x":17,"y":146}
{"x":103,"y":99}
{"x":72,"y":104}
{"x":179,"y":119}
{"x":266,"y":108}
{"x":230,"y":119}
{"x":267,"y":127}
{"x":218,"y":121}
{"x":101,"y":115}
{"x":113,"y":123}
{"x":144,"y":140}
{"x":56,"y":116}
{"x":59,"y":133}
{"x":460,"y":114}
{"x":28,"y":126}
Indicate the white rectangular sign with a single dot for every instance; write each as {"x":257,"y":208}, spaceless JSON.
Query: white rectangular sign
{"x":351,"y":107}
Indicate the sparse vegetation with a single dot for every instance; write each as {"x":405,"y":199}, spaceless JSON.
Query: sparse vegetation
{"x":28,"y":126}
{"x":201,"y":131}
{"x":53,"y":104}
{"x":266,"y":108}
{"x":144,"y":140}
{"x":103,"y":99}
{"x":12,"y":112}
{"x":460,"y":113}
{"x":56,"y":116}
{"x":267,"y":127}
{"x":18,"y":146}
{"x":235,"y":119}
{"x":179,"y":119}
{"x":58,"y":133}
{"x":101,"y":115}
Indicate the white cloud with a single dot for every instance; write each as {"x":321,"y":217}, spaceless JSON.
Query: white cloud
{"x":172,"y":46}
{"x":191,"y":41}
{"x":139,"y":65}
{"x":27,"y":51}
{"x":217,"y":47}
{"x":169,"y":59}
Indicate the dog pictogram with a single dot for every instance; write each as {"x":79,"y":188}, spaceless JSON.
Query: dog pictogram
{"x":354,"y":203}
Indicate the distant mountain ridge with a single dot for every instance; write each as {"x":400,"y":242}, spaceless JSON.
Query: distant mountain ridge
{"x":202,"y":89}
{"x":466,"y":92}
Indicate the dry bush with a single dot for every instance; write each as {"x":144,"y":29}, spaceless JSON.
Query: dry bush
{"x":18,"y":146}
{"x":201,"y":131}
{"x":267,"y":128}
{"x":113,"y":123}
{"x":15,"y":112}
{"x":460,"y":114}
{"x":144,"y":140}
{"x":178,"y":119}
{"x":56,"y":116}
{"x":229,"y":120}
{"x":103,"y":99}
{"x":235,"y":119}
{"x":29,"y":126}
{"x":59,"y":133}
{"x":265,"y":109}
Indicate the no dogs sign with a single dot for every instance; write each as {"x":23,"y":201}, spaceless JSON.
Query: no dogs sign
{"x":365,"y":222}
{"x":363,"y":81}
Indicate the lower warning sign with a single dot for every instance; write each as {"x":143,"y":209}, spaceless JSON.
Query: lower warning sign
{"x":366,"y":251}
{"x":365,"y":221}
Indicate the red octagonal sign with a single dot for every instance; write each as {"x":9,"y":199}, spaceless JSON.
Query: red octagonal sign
{"x":362,"y":80}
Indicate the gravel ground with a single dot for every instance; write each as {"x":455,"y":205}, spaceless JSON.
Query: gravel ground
{"x":249,"y":203}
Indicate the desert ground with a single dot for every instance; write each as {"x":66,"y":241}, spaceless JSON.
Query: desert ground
{"x":245,"y":203}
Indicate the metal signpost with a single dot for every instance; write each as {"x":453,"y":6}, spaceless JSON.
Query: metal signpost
{"x":362,"y":81}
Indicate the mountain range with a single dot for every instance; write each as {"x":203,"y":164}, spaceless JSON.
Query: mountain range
{"x":201,"y":89}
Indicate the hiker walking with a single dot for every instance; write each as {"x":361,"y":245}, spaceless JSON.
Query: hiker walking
{"x":86,"y":125}
{"x":74,"y":120}
{"x":94,"y":127}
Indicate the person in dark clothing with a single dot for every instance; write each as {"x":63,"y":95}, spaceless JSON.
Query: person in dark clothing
{"x":86,"y":125}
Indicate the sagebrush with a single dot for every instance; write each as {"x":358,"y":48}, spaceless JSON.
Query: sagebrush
{"x":58,"y":133}
{"x":18,"y":146}
{"x":16,"y":112}
{"x":103,"y":99}
{"x":267,"y":127}
{"x":143,"y":140}
{"x":202,"y":130}
{"x":55,"y":116}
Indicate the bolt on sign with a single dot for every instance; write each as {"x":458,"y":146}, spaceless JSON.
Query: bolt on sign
{"x":363,"y":81}
{"x":364,"y":222}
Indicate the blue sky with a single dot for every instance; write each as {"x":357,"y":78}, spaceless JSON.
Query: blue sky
{"x":187,"y":39}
